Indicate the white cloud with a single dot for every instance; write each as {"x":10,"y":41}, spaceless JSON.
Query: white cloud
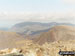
{"x":13,"y":18}
{"x":69,"y":1}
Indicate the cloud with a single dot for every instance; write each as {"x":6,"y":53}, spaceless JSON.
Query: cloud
{"x":13,"y":18}
{"x":69,"y":1}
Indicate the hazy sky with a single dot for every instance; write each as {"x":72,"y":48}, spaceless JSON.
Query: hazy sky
{"x":15,"y":11}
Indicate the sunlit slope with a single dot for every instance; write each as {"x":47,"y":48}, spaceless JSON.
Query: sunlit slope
{"x":63,"y":33}
{"x":8,"y":39}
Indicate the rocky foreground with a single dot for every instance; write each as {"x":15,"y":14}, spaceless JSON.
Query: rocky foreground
{"x":46,"y":49}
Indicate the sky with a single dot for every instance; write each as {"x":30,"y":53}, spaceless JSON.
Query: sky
{"x":15,"y":11}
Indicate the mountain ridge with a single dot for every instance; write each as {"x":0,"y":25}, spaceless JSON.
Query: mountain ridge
{"x":57,"y":33}
{"x":30,"y":28}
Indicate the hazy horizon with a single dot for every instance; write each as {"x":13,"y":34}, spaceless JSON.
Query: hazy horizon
{"x":15,"y":11}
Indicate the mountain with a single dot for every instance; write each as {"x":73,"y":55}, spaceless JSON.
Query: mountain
{"x":9,"y":39}
{"x":57,"y":33}
{"x":30,"y":28}
{"x":34,"y":28}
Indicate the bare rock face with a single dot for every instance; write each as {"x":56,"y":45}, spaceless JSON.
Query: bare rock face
{"x":63,"y":33}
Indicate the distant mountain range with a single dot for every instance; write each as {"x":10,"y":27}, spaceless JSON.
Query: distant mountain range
{"x":34,"y":28}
